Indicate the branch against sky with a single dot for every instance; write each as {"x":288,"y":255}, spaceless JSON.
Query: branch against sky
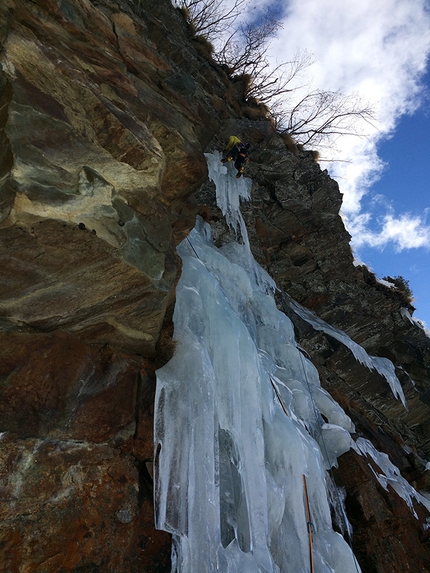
{"x":319,"y":117}
{"x":245,"y":49}
{"x":213,"y":19}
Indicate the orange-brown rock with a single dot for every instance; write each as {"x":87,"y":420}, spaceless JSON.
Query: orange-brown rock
{"x":387,"y":538}
{"x":75,"y":450}
{"x":74,"y":506}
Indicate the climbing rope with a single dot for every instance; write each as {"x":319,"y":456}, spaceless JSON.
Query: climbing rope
{"x":309,"y":526}
{"x":191,"y":245}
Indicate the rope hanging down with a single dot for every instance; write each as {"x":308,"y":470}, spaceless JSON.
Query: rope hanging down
{"x":310,"y":526}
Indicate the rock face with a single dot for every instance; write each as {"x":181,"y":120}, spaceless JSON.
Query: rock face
{"x":99,"y":153}
{"x":101,"y":147}
{"x":106,"y":109}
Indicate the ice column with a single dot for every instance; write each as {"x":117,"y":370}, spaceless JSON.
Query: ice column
{"x":238,"y":424}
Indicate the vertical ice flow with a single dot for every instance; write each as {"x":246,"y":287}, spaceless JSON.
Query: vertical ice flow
{"x":229,"y":461}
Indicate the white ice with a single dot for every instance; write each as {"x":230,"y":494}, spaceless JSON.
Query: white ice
{"x":382,"y":365}
{"x":239,"y":425}
{"x":385,"y":283}
{"x":415,"y":321}
{"x":390,"y":475}
{"x":229,"y":193}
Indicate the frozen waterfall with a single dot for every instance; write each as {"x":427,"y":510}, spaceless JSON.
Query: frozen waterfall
{"x":238,"y":427}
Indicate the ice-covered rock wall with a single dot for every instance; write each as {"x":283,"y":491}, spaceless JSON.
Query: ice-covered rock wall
{"x":244,"y":433}
{"x":232,"y":461}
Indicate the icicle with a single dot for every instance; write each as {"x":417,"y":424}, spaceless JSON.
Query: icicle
{"x":382,"y":365}
{"x":390,"y":475}
{"x":229,"y":192}
{"x":337,"y":497}
{"x":233,"y":409}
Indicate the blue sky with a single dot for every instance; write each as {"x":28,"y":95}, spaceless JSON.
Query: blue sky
{"x":404,"y":186}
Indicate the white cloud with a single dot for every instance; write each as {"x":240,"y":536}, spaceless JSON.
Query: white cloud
{"x":375,"y":47}
{"x":380,"y":49}
{"x":405,"y":231}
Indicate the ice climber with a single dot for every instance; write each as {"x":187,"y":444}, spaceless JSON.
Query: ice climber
{"x":237,"y":151}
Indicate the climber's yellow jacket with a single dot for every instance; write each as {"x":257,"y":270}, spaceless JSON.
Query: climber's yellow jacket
{"x":231,"y":142}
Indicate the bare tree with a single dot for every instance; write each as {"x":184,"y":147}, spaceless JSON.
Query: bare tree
{"x":212,"y":18}
{"x":319,"y":117}
{"x":245,"y":50}
{"x":273,"y":82}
